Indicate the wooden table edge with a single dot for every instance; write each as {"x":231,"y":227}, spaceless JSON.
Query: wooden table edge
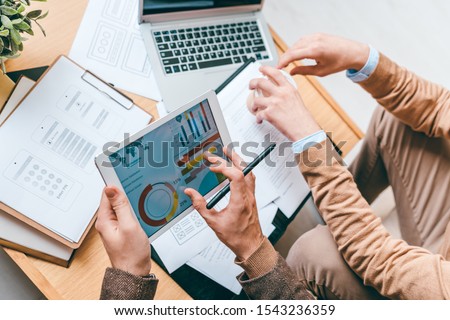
{"x":39,"y":280}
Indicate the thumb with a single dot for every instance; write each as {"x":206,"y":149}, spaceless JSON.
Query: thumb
{"x":120,"y":204}
{"x":199,"y":203}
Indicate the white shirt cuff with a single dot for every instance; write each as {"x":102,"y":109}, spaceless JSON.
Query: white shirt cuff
{"x":308,"y":142}
{"x":368,"y":69}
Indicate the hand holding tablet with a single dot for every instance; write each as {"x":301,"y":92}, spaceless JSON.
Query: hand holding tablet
{"x":154,"y":166}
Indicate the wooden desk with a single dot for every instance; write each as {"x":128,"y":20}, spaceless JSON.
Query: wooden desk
{"x":83,"y":279}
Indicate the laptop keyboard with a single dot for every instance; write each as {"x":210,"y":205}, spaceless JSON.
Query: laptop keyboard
{"x":184,"y":50}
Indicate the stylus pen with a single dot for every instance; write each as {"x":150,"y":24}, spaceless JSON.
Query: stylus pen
{"x":222,"y":193}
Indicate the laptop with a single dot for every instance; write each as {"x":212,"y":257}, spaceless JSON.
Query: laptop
{"x":195,"y":45}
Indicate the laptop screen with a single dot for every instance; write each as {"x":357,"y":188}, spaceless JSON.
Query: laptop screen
{"x":169,"y":6}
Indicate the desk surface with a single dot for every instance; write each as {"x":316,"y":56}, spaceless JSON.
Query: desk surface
{"x":84,"y":277}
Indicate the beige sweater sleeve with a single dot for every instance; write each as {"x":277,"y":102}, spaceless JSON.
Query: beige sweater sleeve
{"x":422,"y":105}
{"x":394,"y":268}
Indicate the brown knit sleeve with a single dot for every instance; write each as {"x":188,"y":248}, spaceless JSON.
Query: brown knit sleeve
{"x":121,"y":285}
{"x":268,"y":277}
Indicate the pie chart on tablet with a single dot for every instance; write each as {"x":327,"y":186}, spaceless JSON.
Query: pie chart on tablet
{"x":158,"y":204}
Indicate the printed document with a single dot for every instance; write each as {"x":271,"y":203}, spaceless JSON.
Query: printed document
{"x":109,"y":44}
{"x":49,"y":144}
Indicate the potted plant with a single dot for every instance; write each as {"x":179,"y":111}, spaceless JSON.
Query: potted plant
{"x":14,"y":22}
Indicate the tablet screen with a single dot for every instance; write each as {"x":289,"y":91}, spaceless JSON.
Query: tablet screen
{"x":155,"y":170}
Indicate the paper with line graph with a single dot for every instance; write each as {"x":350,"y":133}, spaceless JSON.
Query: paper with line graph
{"x":109,"y":44}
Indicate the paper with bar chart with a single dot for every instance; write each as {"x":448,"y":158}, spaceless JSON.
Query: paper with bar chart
{"x":156,"y":169}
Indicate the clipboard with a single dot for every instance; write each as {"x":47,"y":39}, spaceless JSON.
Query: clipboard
{"x":100,"y":91}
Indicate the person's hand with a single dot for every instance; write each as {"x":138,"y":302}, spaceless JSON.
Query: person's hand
{"x":281,"y":105}
{"x":237,"y":226}
{"x":125,"y":241}
{"x":331,"y":53}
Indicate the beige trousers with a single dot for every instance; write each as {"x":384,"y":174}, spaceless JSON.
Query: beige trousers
{"x":418,"y":169}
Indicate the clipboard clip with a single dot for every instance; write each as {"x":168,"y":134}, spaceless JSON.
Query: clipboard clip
{"x":107,"y":90}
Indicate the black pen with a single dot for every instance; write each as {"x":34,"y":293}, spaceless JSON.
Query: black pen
{"x":222,"y":193}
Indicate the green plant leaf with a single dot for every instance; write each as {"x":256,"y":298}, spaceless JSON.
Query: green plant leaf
{"x":2,"y":46}
{"x":8,"y":10}
{"x":42,"y":16}
{"x":30,"y":32}
{"x":21,"y":8}
{"x":6,"y":22}
{"x":15,"y":36}
{"x":4,"y":33}
{"x":14,"y":47}
{"x":34,"y":14}
{"x":23,"y":26}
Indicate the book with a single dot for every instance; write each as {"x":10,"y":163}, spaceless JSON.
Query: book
{"x":15,"y":234}
{"x":19,"y":236}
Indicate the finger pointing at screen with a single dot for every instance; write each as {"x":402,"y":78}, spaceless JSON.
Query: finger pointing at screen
{"x":237,"y":226}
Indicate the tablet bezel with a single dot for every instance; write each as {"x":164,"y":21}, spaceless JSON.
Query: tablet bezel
{"x":110,"y":177}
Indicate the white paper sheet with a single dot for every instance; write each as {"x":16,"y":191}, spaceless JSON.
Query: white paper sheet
{"x":185,"y":239}
{"x":266,"y":216}
{"x":217,"y":263}
{"x":110,"y":44}
{"x":287,"y":181}
{"x":217,"y":260}
{"x":49,"y":172}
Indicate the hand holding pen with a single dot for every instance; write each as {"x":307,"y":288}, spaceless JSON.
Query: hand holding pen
{"x":237,"y":225}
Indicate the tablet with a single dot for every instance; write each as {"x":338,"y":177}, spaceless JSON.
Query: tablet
{"x":154,"y":166}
